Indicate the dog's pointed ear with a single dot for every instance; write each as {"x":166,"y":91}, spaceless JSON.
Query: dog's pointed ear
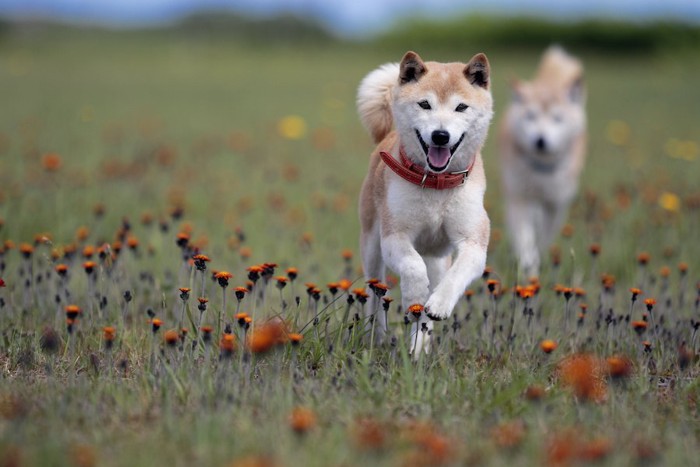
{"x":577,"y":91}
{"x":412,"y":68}
{"x":478,"y":71}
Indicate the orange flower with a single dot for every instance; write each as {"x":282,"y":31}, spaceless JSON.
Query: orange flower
{"x":492,"y":285}
{"x":650,"y":302}
{"x":582,"y":373}
{"x":635,"y":292}
{"x":61,"y":269}
{"x":200,"y":261}
{"x":242,"y":318}
{"x":292,"y":273}
{"x":683,"y":268}
{"x":206,"y":333}
{"x":360,"y":293}
{"x":240,"y":292}
{"x":594,"y":450}
{"x":344,"y":284}
{"x":254,"y":272}
{"x":302,"y":420}
{"x":643,"y":258}
{"x":369,"y":434}
{"x":665,"y":271}
{"x":89,"y":266}
{"x":534,"y":393}
{"x":228,"y":345}
{"x":347,"y":254}
{"x":88,"y":251}
{"x":267,"y":336}
{"x":156,"y":324}
{"x":171,"y":337}
{"x":508,"y":435}
{"x":608,"y":281}
{"x":82,"y":233}
{"x":567,"y":231}
{"x":281,"y":282}
{"x":132,"y":242}
{"x":108,"y":335}
{"x":594,"y":249}
{"x":72,"y":311}
{"x":295,"y":338}
{"x":245,"y":252}
{"x":182,"y":239}
{"x":416,"y":309}
{"x":51,"y":162}
{"x":639,"y":326}
{"x":333,"y":287}
{"x":223,"y":277}
{"x":619,"y":367}
{"x":548,"y":346}
{"x":380,"y":289}
{"x":26,"y":249}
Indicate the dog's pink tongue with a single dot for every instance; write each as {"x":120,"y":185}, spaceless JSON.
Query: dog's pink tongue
{"x":438,"y":156}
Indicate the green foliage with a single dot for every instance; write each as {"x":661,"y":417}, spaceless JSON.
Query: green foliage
{"x":534,"y":33}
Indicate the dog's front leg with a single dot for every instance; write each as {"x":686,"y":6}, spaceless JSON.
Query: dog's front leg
{"x":401,"y":257}
{"x":469,"y":264}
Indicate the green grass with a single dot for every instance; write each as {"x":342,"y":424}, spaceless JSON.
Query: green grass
{"x":109,"y":103}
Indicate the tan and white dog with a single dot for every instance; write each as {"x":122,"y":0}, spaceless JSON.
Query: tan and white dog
{"x":542,"y":145}
{"x":422,"y":203}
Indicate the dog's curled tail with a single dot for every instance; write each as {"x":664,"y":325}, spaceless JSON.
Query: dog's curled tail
{"x":374,"y":100}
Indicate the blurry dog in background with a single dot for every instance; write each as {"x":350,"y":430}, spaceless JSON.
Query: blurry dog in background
{"x":542,"y":145}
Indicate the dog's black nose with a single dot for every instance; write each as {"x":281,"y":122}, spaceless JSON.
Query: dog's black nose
{"x":541,"y":144}
{"x":440,"y":137}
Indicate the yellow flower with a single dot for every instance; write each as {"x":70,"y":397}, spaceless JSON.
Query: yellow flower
{"x":292,"y":127}
{"x":669,"y":201}
{"x":618,"y":132}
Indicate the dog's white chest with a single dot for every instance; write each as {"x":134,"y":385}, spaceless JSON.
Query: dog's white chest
{"x":425,"y":215}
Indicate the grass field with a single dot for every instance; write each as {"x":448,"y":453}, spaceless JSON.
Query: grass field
{"x":256,"y":155}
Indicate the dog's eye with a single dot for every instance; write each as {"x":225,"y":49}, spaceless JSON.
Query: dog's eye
{"x":424,"y":105}
{"x":461,"y":108}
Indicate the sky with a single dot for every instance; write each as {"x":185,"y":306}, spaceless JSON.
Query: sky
{"x":347,"y":17}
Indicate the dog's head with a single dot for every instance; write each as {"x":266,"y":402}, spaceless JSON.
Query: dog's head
{"x":545,"y":117}
{"x":442,"y":111}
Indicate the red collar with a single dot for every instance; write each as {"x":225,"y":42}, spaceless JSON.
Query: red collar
{"x":416,"y":175}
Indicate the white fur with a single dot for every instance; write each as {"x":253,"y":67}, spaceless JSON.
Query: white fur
{"x":539,"y":185}
{"x":436,"y":240}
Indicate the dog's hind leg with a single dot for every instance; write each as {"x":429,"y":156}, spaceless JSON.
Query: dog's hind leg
{"x":373,"y":267}
{"x":521,"y":218}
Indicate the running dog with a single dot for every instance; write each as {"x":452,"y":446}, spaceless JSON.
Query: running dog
{"x":422,"y":203}
{"x":542,"y":145}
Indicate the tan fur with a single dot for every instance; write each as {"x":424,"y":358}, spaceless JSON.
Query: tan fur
{"x":539,"y":185}
{"x":420,"y":233}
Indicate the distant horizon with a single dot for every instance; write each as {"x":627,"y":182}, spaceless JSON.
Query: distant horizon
{"x":358,"y":18}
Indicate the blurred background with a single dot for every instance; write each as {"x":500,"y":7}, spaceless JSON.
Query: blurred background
{"x":242,"y":113}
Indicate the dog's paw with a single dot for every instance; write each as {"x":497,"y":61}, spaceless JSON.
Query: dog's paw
{"x":437,"y":310}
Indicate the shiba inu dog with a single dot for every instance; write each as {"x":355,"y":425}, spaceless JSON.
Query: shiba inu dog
{"x":422,"y":202}
{"x":542,"y":145}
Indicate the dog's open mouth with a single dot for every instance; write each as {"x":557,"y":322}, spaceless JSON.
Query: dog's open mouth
{"x":438,"y":156}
